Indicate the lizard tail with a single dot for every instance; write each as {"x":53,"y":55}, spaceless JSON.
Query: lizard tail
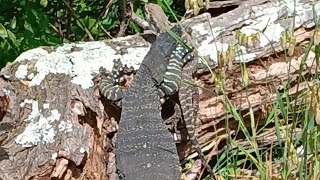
{"x":189,"y":103}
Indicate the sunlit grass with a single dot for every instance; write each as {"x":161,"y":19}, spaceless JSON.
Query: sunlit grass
{"x":295,"y":120}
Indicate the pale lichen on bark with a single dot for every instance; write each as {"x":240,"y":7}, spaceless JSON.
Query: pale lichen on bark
{"x":58,"y":81}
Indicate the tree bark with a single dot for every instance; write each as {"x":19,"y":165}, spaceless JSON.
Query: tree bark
{"x":55,"y":124}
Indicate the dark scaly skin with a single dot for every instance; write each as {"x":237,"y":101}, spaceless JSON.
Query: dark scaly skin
{"x":145,"y":149}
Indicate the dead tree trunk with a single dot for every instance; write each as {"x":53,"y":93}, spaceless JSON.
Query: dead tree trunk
{"x":54,"y":124}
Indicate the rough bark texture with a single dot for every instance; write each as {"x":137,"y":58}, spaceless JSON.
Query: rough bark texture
{"x":54,"y":123}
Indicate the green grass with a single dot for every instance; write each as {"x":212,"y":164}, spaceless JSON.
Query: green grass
{"x":292,"y":117}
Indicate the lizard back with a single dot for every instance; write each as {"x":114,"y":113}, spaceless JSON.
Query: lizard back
{"x":145,"y":149}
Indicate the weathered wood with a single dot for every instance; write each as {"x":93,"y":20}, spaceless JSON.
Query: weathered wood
{"x":54,"y":123}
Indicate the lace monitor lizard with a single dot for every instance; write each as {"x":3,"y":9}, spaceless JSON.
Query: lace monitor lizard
{"x":145,"y":149}
{"x":188,"y":94}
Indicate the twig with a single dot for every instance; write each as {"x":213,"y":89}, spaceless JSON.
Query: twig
{"x":56,"y":30}
{"x":125,"y":21}
{"x":69,"y":20}
{"x":135,"y":18}
{"x":105,"y":8}
{"x":103,"y":11}
{"x":105,"y":31}
{"x":77,"y":18}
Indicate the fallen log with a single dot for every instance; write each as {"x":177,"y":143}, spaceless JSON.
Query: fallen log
{"x":55,"y":125}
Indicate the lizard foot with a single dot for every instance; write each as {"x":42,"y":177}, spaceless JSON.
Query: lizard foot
{"x":109,"y":84}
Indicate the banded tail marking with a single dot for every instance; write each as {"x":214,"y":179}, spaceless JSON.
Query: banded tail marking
{"x":108,"y":84}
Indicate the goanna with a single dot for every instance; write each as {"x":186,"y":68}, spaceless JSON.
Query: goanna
{"x":145,"y":149}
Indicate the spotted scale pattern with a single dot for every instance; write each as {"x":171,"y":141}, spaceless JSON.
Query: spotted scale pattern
{"x":172,"y":76}
{"x":145,"y":149}
{"x":108,"y":83}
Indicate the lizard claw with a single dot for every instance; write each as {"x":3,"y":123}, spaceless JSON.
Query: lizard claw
{"x":102,"y":70}
{"x":188,"y":57}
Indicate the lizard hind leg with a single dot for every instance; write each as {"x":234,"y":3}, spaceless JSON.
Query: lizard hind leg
{"x":172,"y":77}
{"x":171,"y":113}
{"x":109,"y":81}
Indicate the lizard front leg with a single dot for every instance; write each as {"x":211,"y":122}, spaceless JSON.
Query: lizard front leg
{"x":109,"y":87}
{"x":171,"y":113}
{"x":172,"y":77}
{"x":189,"y":101}
{"x":170,"y":83}
{"x":109,"y":82}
